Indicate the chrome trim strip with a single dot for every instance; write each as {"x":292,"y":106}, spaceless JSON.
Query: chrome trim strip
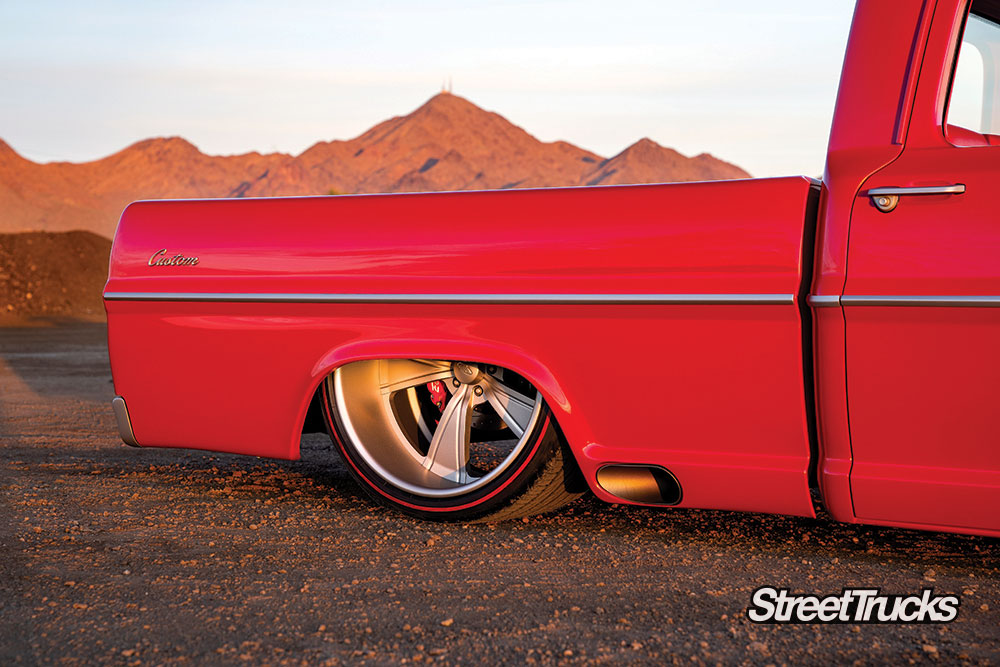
{"x":824,"y":300}
{"x":928,"y":301}
{"x":677,"y":299}
{"x":956,"y":189}
{"x":124,"y":422}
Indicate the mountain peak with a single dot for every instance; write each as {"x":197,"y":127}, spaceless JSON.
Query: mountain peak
{"x":445,"y":100}
{"x":454,"y":108}
{"x":448,"y":143}
{"x":159,"y":144}
{"x":709,"y":162}
{"x":646,"y":161}
{"x":645,"y":142}
{"x":647,"y":149}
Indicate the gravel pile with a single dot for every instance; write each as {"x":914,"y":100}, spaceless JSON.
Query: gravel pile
{"x":52,"y":274}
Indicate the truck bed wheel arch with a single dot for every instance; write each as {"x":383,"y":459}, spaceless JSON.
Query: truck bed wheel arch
{"x":507,"y":356}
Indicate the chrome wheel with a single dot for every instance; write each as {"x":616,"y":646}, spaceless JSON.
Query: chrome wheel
{"x":433,"y":429}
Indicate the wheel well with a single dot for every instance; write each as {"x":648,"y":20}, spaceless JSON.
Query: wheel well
{"x":314,"y":422}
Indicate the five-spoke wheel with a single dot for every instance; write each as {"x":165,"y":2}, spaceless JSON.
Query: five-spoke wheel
{"x":449,"y":439}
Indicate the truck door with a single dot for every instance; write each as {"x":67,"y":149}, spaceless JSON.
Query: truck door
{"x":922,"y":297}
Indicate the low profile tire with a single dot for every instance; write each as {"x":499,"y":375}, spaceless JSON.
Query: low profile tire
{"x":449,"y":440}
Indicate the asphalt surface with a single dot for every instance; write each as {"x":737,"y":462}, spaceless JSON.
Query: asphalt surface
{"x":135,"y":556}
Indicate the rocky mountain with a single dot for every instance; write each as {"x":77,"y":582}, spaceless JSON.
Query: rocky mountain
{"x":447,"y":144}
{"x":646,"y":161}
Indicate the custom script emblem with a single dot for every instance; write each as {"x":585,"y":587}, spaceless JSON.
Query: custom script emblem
{"x":160,"y":258}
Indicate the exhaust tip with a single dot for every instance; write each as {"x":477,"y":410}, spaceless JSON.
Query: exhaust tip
{"x":646,"y":484}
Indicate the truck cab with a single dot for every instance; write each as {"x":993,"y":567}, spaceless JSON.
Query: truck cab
{"x":905,"y":294}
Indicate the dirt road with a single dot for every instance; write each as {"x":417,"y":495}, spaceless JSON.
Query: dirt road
{"x":119,"y":555}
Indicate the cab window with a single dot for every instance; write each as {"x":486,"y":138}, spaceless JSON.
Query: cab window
{"x":974,"y":105}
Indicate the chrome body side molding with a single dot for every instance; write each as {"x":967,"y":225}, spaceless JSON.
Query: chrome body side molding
{"x":664,"y":299}
{"x":820,"y":300}
{"x":926,"y":301}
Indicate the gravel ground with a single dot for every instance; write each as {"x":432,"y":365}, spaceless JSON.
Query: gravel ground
{"x":131,"y":556}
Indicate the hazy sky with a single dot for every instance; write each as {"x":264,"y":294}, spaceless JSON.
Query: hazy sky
{"x":750,"y":82}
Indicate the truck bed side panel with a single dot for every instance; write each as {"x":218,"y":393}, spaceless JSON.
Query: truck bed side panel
{"x":711,"y":389}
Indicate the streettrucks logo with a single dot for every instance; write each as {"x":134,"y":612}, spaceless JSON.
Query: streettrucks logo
{"x":853,"y":605}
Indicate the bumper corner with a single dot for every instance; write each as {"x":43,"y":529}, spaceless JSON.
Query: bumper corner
{"x":124,"y":422}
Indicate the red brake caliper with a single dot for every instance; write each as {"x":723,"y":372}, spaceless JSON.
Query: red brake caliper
{"x":439,"y":395}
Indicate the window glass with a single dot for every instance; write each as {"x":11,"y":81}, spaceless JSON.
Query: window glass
{"x":975,"y":92}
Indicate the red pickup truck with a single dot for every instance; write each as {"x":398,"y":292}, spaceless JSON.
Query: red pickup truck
{"x":761,"y":345}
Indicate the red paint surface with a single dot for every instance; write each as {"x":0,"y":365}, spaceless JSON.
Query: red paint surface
{"x":735,"y":236}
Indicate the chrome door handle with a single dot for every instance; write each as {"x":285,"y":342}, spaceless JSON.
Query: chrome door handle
{"x":885,"y":199}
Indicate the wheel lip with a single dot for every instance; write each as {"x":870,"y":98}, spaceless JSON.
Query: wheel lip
{"x":356,"y":444}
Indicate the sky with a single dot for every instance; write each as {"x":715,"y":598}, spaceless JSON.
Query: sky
{"x":753,"y":83}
